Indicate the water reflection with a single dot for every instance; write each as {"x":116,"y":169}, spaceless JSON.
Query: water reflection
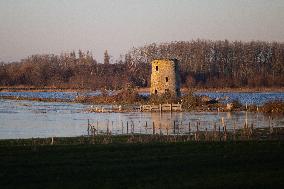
{"x":26,"y":119}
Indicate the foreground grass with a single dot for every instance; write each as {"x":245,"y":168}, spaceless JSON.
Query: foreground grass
{"x":248,"y":164}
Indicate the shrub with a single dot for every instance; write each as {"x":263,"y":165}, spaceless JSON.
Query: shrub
{"x":162,"y":99}
{"x":190,"y":101}
{"x":128,"y":96}
{"x":273,"y":107}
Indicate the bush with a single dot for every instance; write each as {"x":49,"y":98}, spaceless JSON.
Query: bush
{"x":162,"y":99}
{"x":190,"y":101}
{"x":128,"y":96}
{"x":273,"y":107}
{"x":236,"y":104}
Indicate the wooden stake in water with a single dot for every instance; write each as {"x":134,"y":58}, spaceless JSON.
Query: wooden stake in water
{"x":189,"y":130}
{"x":132,"y":127}
{"x":234,"y":130}
{"x":111,"y":127}
{"x":206,"y":134}
{"x":214,"y":131}
{"x":197,"y":130}
{"x":251,"y":130}
{"x":167,"y":128}
{"x":88,"y":127}
{"x":219,"y":133}
{"x":177,"y":125}
{"x":127,"y":127}
{"x":97,"y":127}
{"x":225,"y":128}
{"x":107,"y":127}
{"x":146,"y":125}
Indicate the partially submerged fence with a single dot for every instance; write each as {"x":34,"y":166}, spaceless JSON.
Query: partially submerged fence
{"x":160,"y":107}
{"x":179,"y":131}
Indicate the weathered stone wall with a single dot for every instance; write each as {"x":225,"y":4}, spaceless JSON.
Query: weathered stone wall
{"x":165,"y":77}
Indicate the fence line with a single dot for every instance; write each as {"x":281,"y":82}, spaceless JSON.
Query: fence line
{"x":192,"y":130}
{"x":161,"y":107}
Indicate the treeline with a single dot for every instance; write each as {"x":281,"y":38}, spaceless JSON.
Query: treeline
{"x":220,"y":63}
{"x":203,"y":63}
{"x":67,"y":70}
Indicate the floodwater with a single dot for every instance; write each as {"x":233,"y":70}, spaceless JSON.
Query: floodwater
{"x":27,"y":119}
{"x":257,"y":98}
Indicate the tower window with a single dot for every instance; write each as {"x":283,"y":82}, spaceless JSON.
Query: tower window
{"x":167,"y":79}
{"x":156,"y":92}
{"x":157,"y":69}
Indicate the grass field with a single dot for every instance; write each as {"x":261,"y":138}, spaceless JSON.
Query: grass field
{"x":249,"y":164}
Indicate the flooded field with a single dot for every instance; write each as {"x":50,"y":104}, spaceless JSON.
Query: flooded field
{"x":257,"y":98}
{"x":26,"y":119}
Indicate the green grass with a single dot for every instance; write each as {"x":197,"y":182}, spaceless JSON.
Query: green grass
{"x":248,"y":164}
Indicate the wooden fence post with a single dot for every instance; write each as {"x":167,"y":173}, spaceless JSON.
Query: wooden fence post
{"x":234,"y":131}
{"x":177,"y":125}
{"x":167,"y":128}
{"x":107,"y":127}
{"x":146,"y":126}
{"x":88,"y":127}
{"x":214,"y":131}
{"x":132,"y":127}
{"x":219,"y":132}
{"x":127,"y":127}
{"x":197,"y":131}
{"x":225,"y":129}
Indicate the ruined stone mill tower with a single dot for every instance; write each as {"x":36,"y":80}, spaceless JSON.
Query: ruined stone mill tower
{"x":165,"y":77}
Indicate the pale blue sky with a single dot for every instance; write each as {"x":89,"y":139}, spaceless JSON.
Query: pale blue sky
{"x":53,"y":26}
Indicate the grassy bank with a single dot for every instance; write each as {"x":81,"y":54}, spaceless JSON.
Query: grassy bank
{"x":248,"y":164}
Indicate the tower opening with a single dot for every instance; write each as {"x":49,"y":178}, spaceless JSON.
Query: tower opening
{"x":167,"y":79}
{"x":157,"y":68}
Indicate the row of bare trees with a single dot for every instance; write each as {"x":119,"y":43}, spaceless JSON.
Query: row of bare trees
{"x":202,"y":64}
{"x":220,"y":63}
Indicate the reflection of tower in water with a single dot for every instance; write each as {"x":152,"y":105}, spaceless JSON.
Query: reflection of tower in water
{"x":165,"y":122}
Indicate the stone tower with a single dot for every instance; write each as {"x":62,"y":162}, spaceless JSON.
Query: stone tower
{"x":165,"y":77}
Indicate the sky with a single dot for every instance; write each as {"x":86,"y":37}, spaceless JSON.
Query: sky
{"x":56,"y":26}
